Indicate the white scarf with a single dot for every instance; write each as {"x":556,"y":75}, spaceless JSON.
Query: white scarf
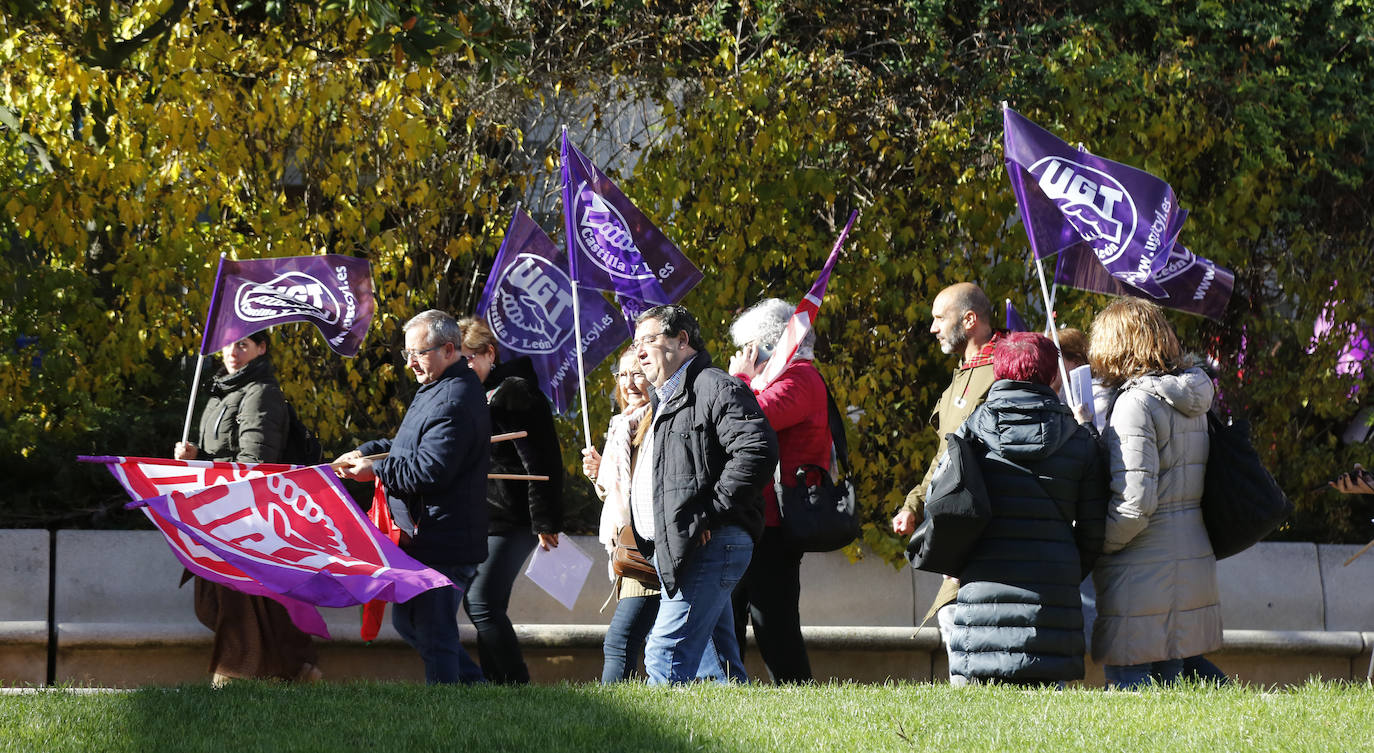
{"x":614,"y":475}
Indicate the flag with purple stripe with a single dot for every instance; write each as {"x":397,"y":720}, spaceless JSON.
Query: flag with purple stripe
{"x":290,"y":534}
{"x":528,"y":304}
{"x":1068,"y":197}
{"x":613,"y":246}
{"x":331,"y":291}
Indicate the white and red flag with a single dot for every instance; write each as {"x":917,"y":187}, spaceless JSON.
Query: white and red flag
{"x":802,"y":319}
{"x":289,"y":533}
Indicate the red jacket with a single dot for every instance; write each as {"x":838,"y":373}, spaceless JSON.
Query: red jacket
{"x":794,"y":405}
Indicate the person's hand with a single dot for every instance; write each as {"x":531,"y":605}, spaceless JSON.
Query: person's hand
{"x":185,"y":451}
{"x":1083,"y":413}
{"x":742,"y":362}
{"x":548,"y":541}
{"x":705,"y":536}
{"x":904,"y":523}
{"x":591,"y":462}
{"x":1354,"y":482}
{"x":354,"y":466}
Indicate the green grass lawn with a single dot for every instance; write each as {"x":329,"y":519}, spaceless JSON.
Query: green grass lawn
{"x":331,"y":718}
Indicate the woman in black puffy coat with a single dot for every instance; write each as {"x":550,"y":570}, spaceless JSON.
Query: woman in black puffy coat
{"x":1018,"y":616}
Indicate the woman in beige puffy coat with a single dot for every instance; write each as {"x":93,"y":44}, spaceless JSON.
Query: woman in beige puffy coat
{"x":1157,"y":598}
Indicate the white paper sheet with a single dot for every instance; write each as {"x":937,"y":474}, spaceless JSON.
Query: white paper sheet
{"x":560,"y":571}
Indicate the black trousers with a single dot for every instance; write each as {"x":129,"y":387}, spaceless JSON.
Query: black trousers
{"x":768,"y":597}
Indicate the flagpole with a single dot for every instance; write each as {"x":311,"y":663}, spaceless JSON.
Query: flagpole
{"x":200,"y":355}
{"x":570,"y":241}
{"x":1054,"y":331}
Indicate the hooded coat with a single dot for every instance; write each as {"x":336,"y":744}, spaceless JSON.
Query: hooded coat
{"x":1157,"y":595}
{"x":1018,"y":616}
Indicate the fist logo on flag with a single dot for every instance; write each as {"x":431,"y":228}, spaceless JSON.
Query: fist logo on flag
{"x":533,"y":312}
{"x":1096,"y":203}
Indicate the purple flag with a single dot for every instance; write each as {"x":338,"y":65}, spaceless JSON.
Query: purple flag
{"x":1014,"y":321}
{"x":1190,"y":283}
{"x":1129,"y":218}
{"x":331,"y":291}
{"x":527,"y":302}
{"x":613,"y":245}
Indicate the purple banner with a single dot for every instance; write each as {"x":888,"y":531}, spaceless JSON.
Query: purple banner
{"x":1128,"y":217}
{"x":1190,"y":283}
{"x":1014,"y":321}
{"x":613,"y":245}
{"x":331,"y":291}
{"x":528,"y":304}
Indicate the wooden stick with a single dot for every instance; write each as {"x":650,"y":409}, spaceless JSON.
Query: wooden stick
{"x":509,"y":435}
{"x":1357,"y":554}
{"x":516,"y":477}
{"x":378,"y":456}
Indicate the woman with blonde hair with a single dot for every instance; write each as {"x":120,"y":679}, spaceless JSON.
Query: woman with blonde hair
{"x":1157,"y":596}
{"x":610,"y":472}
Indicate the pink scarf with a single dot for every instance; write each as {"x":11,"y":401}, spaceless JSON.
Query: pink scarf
{"x":614,"y":475}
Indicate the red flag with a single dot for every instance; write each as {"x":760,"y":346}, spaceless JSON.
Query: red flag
{"x":803,"y":318}
{"x":380,"y":515}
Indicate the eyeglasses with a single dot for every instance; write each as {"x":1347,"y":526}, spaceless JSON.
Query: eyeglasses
{"x":406,"y":355}
{"x":631,"y":375}
{"x":640,"y":342}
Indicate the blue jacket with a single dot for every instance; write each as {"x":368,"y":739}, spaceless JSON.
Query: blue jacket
{"x":436,"y":474}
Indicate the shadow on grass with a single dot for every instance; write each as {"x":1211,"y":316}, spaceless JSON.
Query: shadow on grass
{"x":396,"y":717}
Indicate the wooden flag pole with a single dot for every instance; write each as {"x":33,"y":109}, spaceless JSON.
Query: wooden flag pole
{"x":1357,"y":554}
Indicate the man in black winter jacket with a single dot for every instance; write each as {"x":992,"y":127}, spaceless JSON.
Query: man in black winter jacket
{"x":696,"y":507}
{"x":436,"y":481}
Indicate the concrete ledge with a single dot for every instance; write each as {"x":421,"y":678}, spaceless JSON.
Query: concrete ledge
{"x":24,"y":632}
{"x":131,"y":634}
{"x":1295,"y":642}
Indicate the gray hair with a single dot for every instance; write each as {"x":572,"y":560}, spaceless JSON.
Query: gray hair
{"x":442,"y":328}
{"x":764,"y":323}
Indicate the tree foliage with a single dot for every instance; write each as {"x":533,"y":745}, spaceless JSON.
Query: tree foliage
{"x":274,"y":128}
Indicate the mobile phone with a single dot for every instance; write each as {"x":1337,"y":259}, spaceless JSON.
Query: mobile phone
{"x":765,"y":353}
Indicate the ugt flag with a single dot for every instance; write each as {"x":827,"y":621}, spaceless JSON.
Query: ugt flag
{"x":1189,"y":282}
{"x":527,"y":302}
{"x":332,"y":291}
{"x":287,"y":533}
{"x":612,"y":245}
{"x":1129,"y":218}
{"x":803,"y":318}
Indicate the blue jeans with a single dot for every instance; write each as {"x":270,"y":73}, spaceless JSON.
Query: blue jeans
{"x":694,"y":634}
{"x":630,"y":625}
{"x":488,"y":600}
{"x":429,"y":623}
{"x":1132,"y":676}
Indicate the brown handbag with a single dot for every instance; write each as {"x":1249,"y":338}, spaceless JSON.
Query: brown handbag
{"x":627,"y":562}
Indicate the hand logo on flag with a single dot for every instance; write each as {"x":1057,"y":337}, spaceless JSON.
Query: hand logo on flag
{"x":527,"y":302}
{"x":1113,"y":228}
{"x":331,"y":291}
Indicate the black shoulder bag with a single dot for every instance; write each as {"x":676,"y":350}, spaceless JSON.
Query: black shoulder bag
{"x":820,"y":514}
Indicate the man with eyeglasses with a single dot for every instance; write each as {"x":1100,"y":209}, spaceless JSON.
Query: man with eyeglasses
{"x":697,"y":508}
{"x":436,"y":484}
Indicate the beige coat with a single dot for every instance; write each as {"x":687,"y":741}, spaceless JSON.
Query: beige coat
{"x":1156,"y":582}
